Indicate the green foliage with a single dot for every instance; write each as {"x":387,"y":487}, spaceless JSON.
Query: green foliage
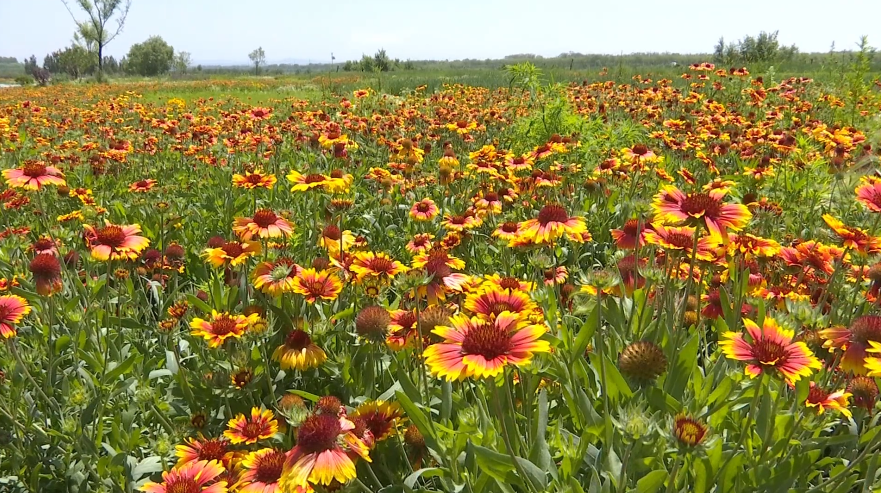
{"x":258,"y":58}
{"x":150,"y":58}
{"x":763,"y":49}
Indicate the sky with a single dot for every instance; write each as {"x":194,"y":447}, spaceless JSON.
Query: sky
{"x":293,"y":30}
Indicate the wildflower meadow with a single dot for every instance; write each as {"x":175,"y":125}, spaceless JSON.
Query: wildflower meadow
{"x":656,"y":284}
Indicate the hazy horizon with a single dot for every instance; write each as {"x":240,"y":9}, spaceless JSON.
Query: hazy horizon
{"x":224,"y":32}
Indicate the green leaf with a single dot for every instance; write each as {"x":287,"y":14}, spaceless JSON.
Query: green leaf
{"x":305,"y":395}
{"x":149,"y":465}
{"x":617,"y":385}
{"x":425,"y":472}
{"x":502,"y":469}
{"x":651,"y":482}
{"x":419,"y":419}
{"x":585,"y":334}
{"x":122,"y":368}
{"x":171,"y":362}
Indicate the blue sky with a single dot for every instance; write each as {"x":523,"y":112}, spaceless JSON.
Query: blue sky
{"x":227,"y":30}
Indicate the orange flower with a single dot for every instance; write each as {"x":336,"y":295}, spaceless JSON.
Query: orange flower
{"x":261,"y":426}
{"x":299,"y":352}
{"x":854,"y":238}
{"x":490,"y":301}
{"x":378,"y":266}
{"x":424,"y":210}
{"x":475,"y":347}
{"x":317,"y":284}
{"x":770,"y":348}
{"x":326,"y":451}
{"x":221,"y":327}
{"x":12,"y":310}
{"x":114,"y":242}
{"x":202,"y":449}
{"x":381,"y":418}
{"x":232,"y":252}
{"x":33,"y":176}
{"x":854,"y":340}
{"x":869,"y":193}
{"x":192,"y":477}
{"x":681,"y":238}
{"x":700,"y":208}
{"x":552,"y":222}
{"x":822,"y":400}
{"x":254,"y":179}
{"x":264,"y":224}
{"x":262,"y":471}
{"x":276,"y":277}
{"x":142,"y":186}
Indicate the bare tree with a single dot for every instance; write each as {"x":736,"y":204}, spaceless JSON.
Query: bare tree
{"x":258,"y":57}
{"x":95,"y":29}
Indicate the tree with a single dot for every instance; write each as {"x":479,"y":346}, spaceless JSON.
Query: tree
{"x":150,"y":58}
{"x":182,"y":61}
{"x":258,"y":57}
{"x":74,"y":60}
{"x":381,"y":61}
{"x":30,"y":64}
{"x":95,"y":29}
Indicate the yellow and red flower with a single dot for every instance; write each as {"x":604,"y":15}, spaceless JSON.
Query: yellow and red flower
{"x":203,"y":449}
{"x":476,"y":347}
{"x":232,"y":253}
{"x":854,"y":340}
{"x":552,"y":223}
{"x":262,"y":471}
{"x":12,"y":309}
{"x":822,"y":400}
{"x":424,"y":210}
{"x":142,"y":186}
{"x":33,"y":176}
{"x":869,"y":193}
{"x":261,"y":425}
{"x":114,"y":242}
{"x":490,"y":301}
{"x":276,"y":277}
{"x":254,"y":179}
{"x":673,"y":206}
{"x":299,"y":352}
{"x":853,"y":238}
{"x":264,"y":224}
{"x":192,"y":477}
{"x":682,"y":239}
{"x":221,"y":327}
{"x":376,"y":266}
{"x":770,"y":349}
{"x":314,"y":284}
{"x":326,"y":451}
{"x":381,"y":418}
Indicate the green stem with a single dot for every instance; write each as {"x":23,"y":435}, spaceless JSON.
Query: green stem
{"x":746,"y":427}
{"x":671,"y":485}
{"x":507,"y":438}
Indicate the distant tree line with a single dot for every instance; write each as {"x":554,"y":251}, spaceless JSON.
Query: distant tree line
{"x":762,"y":49}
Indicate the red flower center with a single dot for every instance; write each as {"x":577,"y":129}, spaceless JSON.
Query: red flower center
{"x":380,"y":264}
{"x":111,"y":235}
{"x":314,"y":178}
{"x":45,"y":266}
{"x":298,"y":340}
{"x":142,"y":184}
{"x":407,"y":321}
{"x":631,"y":227}
{"x":552,"y":214}
{"x":680,"y":240}
{"x":518,"y":160}
{"x":213,"y":449}
{"x":183,"y":485}
{"x":640,"y":149}
{"x":701,"y":204}
{"x":265,"y":218}
{"x":458,"y":220}
{"x":509,"y":283}
{"x":34,"y":170}
{"x":461,"y":124}
{"x":510,"y":227}
{"x":223,"y":325}
{"x":43,"y":244}
{"x":423,"y":207}
{"x":253,"y":429}
{"x":768,"y":353}
{"x":268,"y":467}
{"x":817,"y":395}
{"x":318,"y":433}
{"x":491,"y":197}
{"x":486,"y":340}
{"x":254,"y":178}
{"x":331,"y":232}
{"x":501,"y":306}
{"x":866,"y":328}
{"x":233,"y":249}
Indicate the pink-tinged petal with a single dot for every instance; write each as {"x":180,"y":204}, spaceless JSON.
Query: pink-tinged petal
{"x":449,"y":333}
{"x":296,"y":472}
{"x":153,"y":488}
{"x":753,"y":370}
{"x":332,"y":464}
{"x":527,"y":334}
{"x":753,"y":329}
{"x":101,"y":252}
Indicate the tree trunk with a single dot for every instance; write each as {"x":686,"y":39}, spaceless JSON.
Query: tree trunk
{"x":100,"y":58}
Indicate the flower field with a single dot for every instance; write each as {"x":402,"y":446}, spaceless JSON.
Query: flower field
{"x":658,"y":285}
